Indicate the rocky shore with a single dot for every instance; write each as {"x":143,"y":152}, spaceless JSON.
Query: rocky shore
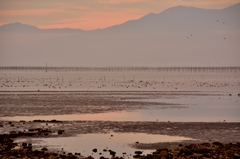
{"x":11,"y":150}
{"x":215,"y":150}
{"x":224,"y":143}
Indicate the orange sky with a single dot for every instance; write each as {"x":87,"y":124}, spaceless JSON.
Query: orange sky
{"x":90,"y":14}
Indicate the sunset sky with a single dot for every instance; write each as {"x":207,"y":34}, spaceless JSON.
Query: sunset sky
{"x":91,"y":14}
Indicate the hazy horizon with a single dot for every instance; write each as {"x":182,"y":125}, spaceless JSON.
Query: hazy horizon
{"x":86,"y":15}
{"x":175,"y":36}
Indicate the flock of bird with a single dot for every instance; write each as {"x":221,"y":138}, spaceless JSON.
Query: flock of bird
{"x":82,"y":83}
{"x":217,"y":22}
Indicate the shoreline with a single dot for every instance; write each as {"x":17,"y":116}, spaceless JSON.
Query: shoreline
{"x":211,"y":149}
{"x":204,"y":133}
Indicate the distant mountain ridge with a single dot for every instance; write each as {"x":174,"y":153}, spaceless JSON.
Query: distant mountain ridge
{"x":19,"y":27}
{"x":178,"y":36}
{"x":182,"y":18}
{"x":163,"y":20}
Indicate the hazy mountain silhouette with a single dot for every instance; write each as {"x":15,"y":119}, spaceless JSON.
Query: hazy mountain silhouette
{"x":18,"y":27}
{"x":178,"y":36}
{"x":25,"y":28}
{"x":183,"y":18}
{"x":180,"y":18}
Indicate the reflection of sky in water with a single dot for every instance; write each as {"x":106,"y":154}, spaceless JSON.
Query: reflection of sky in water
{"x":200,"y":108}
{"x":209,"y":108}
{"x":119,"y":142}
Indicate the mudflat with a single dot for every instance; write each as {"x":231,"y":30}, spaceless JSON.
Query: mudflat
{"x":199,"y":110}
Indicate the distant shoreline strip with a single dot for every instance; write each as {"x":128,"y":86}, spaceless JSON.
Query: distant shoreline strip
{"x":121,"y":69}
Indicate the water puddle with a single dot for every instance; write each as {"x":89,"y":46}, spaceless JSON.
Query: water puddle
{"x":85,"y":143}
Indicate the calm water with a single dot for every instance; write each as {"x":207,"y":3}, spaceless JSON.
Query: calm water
{"x":118,"y":142}
{"x":207,"y":108}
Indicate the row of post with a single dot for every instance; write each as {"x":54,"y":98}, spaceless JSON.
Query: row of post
{"x":123,"y":69}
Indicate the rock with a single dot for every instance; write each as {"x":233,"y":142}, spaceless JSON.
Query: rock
{"x":163,"y":152}
{"x":218,"y":144}
{"x":186,"y":151}
{"x":55,"y":121}
{"x":44,"y":149}
{"x":112,"y":153}
{"x":206,"y":144}
{"x":38,"y":120}
{"x":51,"y":157}
{"x":175,"y":152}
{"x":94,"y":150}
{"x":196,"y":155}
{"x":207,"y":155}
{"x":236,"y":156}
{"x":24,"y":144}
{"x":60,"y":132}
{"x":36,"y":152}
{"x":190,"y":146}
{"x":16,"y":148}
{"x":202,"y":150}
{"x":137,"y":156}
{"x":29,"y":147}
{"x":138,"y":152}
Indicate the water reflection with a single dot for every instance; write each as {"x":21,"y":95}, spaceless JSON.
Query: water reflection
{"x":210,"y":108}
{"x":118,"y":142}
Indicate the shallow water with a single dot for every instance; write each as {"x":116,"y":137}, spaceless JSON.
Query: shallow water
{"x":179,"y":97}
{"x":118,"y":142}
{"x":210,"y":107}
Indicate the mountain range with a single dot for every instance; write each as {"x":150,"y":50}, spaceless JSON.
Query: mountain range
{"x":178,"y":36}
